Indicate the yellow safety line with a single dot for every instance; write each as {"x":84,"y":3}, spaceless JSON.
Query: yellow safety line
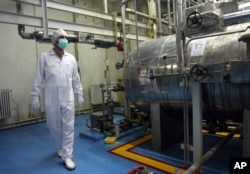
{"x":223,"y":134}
{"x":124,"y":151}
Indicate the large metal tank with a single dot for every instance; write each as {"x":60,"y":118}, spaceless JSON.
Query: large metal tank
{"x":151,"y":74}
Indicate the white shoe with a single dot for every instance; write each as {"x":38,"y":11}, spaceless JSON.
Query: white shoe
{"x":60,"y":152}
{"x":69,"y":164}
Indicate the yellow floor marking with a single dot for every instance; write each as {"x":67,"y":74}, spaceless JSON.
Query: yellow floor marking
{"x":223,"y":134}
{"x":124,"y":151}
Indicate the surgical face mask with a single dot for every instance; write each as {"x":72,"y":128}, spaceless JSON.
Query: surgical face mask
{"x":62,"y":43}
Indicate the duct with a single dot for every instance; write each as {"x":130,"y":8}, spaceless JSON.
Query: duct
{"x":197,"y":164}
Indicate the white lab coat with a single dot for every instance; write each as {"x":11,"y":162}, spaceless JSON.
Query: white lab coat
{"x":60,"y":80}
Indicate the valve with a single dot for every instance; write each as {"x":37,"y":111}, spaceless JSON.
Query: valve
{"x":194,"y":20}
{"x":198,"y":72}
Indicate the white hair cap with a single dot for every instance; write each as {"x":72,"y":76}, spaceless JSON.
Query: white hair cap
{"x":57,"y":34}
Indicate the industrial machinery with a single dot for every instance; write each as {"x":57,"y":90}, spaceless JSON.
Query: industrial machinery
{"x":216,"y":51}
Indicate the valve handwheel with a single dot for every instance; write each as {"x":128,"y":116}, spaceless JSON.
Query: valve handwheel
{"x":198,"y":72}
{"x":194,"y":20}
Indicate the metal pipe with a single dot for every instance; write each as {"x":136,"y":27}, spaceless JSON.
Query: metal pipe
{"x":45,"y":19}
{"x":197,"y":164}
{"x":179,"y":33}
{"x":159,"y":17}
{"x":123,"y":19}
{"x":125,"y":1}
{"x":169,"y":18}
{"x":136,"y":33}
{"x":186,"y":121}
{"x":105,"y":6}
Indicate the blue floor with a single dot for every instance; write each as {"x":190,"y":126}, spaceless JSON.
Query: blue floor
{"x":29,"y":149}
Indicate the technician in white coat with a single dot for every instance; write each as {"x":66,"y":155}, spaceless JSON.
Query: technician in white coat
{"x":57,"y":74}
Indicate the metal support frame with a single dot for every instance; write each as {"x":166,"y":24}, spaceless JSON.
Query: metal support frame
{"x":155,"y":121}
{"x":197,"y":121}
{"x":246,"y":133}
{"x":44,"y":22}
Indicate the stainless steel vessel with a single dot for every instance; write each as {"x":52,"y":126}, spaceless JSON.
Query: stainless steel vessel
{"x":219,"y":61}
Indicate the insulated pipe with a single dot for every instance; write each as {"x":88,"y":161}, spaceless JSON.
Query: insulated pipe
{"x":197,"y":164}
{"x":180,"y":39}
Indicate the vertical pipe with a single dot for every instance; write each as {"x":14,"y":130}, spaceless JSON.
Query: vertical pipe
{"x":159,"y":17}
{"x":136,"y":31}
{"x":45,"y":18}
{"x":75,"y":44}
{"x":105,"y":3}
{"x":169,"y":18}
{"x":174,"y":11}
{"x":180,"y":47}
{"x":152,"y":13}
{"x":186,"y":121}
{"x":123,"y":10}
{"x":180,"y":40}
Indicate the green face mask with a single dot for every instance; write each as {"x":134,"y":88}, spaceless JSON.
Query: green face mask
{"x":62,"y":43}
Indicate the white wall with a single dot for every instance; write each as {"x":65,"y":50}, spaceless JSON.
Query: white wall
{"x":18,"y":61}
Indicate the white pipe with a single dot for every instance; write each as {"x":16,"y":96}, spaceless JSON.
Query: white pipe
{"x":105,"y":2}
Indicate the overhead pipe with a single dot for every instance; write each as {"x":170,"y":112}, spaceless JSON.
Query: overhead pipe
{"x":197,"y":164}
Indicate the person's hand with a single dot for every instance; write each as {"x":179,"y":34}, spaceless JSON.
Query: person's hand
{"x":80,"y":100}
{"x":35,"y":104}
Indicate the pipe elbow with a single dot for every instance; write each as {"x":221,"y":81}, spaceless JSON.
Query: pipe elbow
{"x":21,"y":32}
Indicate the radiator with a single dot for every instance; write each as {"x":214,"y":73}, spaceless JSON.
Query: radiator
{"x":5,"y":103}
{"x":96,"y":94}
